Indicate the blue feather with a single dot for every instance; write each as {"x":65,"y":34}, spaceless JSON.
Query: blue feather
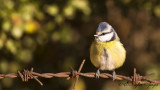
{"x":102,"y":26}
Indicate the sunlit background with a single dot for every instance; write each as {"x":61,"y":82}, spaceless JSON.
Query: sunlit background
{"x":54,"y":35}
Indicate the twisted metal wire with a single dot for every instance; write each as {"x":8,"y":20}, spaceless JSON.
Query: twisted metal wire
{"x":30,"y":74}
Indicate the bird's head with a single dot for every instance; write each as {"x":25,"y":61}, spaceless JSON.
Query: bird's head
{"x":105,"y":33}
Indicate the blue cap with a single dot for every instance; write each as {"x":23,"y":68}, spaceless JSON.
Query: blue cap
{"x":102,"y":26}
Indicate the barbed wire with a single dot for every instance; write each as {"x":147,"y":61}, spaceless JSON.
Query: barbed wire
{"x":30,"y":74}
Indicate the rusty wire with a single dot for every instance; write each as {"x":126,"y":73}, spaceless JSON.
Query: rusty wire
{"x":30,"y":74}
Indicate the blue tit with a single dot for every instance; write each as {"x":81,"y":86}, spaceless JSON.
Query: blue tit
{"x":106,"y":51}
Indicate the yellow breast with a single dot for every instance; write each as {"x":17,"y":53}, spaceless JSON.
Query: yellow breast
{"x":115,"y":58}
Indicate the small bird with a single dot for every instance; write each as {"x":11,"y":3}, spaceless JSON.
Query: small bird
{"x":106,"y":51}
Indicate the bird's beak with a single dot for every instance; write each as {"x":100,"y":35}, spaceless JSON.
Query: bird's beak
{"x":96,"y":35}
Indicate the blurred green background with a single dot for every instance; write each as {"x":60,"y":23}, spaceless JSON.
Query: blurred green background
{"x":53,"y":35}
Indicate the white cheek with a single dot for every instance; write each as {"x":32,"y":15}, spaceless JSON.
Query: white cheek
{"x":106,"y":37}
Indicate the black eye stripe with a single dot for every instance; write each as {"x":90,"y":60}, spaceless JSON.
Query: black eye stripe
{"x":105,"y":33}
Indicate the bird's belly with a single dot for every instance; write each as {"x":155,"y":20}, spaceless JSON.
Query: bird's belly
{"x":114,"y":59}
{"x":106,"y":63}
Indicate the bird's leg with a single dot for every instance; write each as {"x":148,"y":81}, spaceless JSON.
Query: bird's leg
{"x":114,"y":75}
{"x":97,"y":74}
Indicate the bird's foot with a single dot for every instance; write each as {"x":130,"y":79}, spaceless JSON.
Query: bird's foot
{"x":97,"y":74}
{"x":114,"y":75}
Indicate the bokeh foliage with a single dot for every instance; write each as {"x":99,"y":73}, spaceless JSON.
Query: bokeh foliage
{"x":53,"y":35}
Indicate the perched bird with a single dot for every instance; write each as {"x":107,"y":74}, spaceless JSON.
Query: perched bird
{"x":106,"y":51}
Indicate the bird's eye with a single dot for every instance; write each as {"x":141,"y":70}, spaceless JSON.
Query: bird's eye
{"x":103,"y":34}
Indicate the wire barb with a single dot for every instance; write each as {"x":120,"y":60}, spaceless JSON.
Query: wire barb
{"x":30,"y":74}
{"x":26,"y":75}
{"x":77,"y":76}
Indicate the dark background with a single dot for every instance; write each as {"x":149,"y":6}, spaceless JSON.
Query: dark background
{"x":54,"y":35}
